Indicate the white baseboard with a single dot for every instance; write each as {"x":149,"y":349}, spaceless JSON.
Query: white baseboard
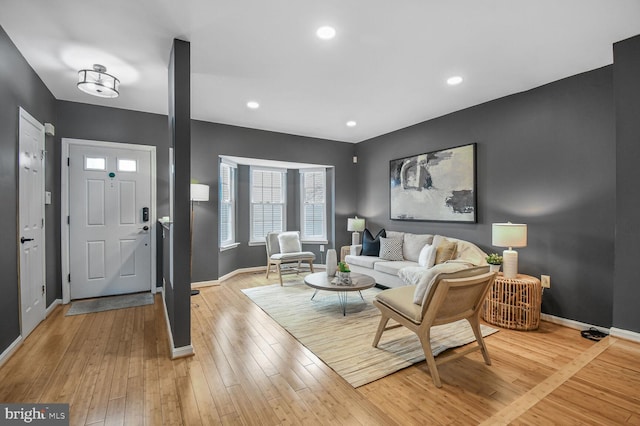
{"x":182,"y":351}
{"x":625,"y":334}
{"x":4,"y":357}
{"x":613,"y":331}
{"x":52,"y":307}
{"x":249,"y":270}
{"x":577,"y":325}
{"x":200,"y":284}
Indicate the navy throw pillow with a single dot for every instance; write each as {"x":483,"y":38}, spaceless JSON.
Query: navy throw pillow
{"x":371,"y":245}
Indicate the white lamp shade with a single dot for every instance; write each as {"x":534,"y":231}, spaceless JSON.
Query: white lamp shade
{"x":199,"y":192}
{"x":509,"y":235}
{"x":355,"y":224}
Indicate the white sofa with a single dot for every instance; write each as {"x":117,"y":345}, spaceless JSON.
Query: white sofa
{"x":407,"y":271}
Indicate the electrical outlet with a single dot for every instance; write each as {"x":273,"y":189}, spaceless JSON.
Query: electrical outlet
{"x":546,"y":281}
{"x":321,"y":248}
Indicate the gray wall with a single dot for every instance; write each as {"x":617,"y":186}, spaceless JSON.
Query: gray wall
{"x":626,"y":314}
{"x":21,"y":87}
{"x":210,"y":140}
{"x":545,"y":157}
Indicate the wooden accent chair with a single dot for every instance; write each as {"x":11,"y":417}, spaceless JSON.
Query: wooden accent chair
{"x":284,"y":248}
{"x":451,"y":297}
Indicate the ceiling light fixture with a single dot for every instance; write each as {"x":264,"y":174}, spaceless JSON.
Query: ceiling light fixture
{"x":351,"y":123}
{"x":326,"y":33}
{"x":455,"y":80}
{"x":97,"y":82}
{"x":253,"y":105}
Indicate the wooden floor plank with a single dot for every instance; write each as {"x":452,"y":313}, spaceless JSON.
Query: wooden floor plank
{"x":115,"y":368}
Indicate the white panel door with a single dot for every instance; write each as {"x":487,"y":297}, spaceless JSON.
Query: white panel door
{"x":31,"y":226}
{"x":109,"y":221}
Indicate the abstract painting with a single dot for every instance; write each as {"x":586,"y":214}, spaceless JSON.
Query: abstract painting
{"x":436,"y":186}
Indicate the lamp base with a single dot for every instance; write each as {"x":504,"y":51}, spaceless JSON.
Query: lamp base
{"x":355,"y":238}
{"x":510,"y":263}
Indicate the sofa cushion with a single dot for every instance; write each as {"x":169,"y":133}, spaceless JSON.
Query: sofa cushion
{"x":371,"y":245}
{"x":413,"y":243}
{"x":395,"y":234}
{"x":289,"y":242}
{"x":391,"y":248}
{"x":401,"y":300}
{"x":392,"y":267}
{"x":364,"y":261}
{"x":446,"y":250}
{"x":427,"y":256}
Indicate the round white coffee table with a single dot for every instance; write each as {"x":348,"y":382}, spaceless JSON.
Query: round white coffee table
{"x":321,"y":281}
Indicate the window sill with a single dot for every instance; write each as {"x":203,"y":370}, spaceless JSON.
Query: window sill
{"x":257,"y":243}
{"x":229,"y":247}
{"x":314,"y":242}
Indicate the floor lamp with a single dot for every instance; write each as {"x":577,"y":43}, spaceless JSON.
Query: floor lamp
{"x":199,"y":192}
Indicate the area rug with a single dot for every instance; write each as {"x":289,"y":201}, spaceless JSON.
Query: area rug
{"x":108,"y":303}
{"x":344,"y":342}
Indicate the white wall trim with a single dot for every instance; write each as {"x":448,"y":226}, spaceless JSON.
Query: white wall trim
{"x":577,"y":325}
{"x":625,"y":334}
{"x":236,"y":272}
{"x":200,"y":284}
{"x":182,"y":351}
{"x":4,"y":357}
{"x":53,"y":306}
{"x":64,"y":206}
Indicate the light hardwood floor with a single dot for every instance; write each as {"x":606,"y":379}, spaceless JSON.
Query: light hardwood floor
{"x":114,"y":368}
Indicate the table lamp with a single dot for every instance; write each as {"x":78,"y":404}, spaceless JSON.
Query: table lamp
{"x":509,"y":235}
{"x":356,"y":225}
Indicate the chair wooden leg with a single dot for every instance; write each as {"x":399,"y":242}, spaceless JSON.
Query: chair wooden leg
{"x":268,"y":269}
{"x":311,"y":265}
{"x":381,"y":327}
{"x":425,"y":340}
{"x":279,"y":273}
{"x":475,"y":326}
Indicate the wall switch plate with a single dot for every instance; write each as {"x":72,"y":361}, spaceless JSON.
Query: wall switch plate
{"x":321,"y":247}
{"x":47,"y":197}
{"x":546,"y":281}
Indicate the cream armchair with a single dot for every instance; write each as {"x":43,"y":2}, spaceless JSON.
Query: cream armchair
{"x":284,"y":248}
{"x":450,"y":297}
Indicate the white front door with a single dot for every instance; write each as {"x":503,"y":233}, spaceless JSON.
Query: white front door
{"x":109,"y":220}
{"x":31,"y":226}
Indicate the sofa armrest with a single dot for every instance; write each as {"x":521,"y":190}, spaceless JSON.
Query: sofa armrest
{"x":356,"y":250}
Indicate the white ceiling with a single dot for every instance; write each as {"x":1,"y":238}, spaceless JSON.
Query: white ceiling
{"x":385,"y":69}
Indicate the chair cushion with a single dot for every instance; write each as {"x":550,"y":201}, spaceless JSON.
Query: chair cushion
{"x":289,"y":242}
{"x":391,"y":248}
{"x":371,"y":245}
{"x":401,"y":300}
{"x":392,"y":267}
{"x":427,"y":256}
{"x":286,"y":257}
{"x":364,"y":261}
{"x":413,"y":243}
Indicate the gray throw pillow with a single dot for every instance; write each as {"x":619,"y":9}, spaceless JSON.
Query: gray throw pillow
{"x":391,"y":249}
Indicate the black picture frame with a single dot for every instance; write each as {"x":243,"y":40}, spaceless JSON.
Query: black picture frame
{"x":437,"y":186}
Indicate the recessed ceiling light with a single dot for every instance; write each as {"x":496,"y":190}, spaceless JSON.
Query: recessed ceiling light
{"x":351,"y":123}
{"x":326,"y":33}
{"x":452,"y":81}
{"x":253,"y":105}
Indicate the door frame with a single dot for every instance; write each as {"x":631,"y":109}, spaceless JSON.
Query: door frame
{"x":64,"y":209}
{"x":23,"y":113}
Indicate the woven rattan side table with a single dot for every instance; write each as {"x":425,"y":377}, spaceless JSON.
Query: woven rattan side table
{"x":344,"y":251}
{"x":514,"y":302}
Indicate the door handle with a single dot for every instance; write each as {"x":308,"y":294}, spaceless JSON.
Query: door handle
{"x":24,"y":240}
{"x":145,"y":228}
